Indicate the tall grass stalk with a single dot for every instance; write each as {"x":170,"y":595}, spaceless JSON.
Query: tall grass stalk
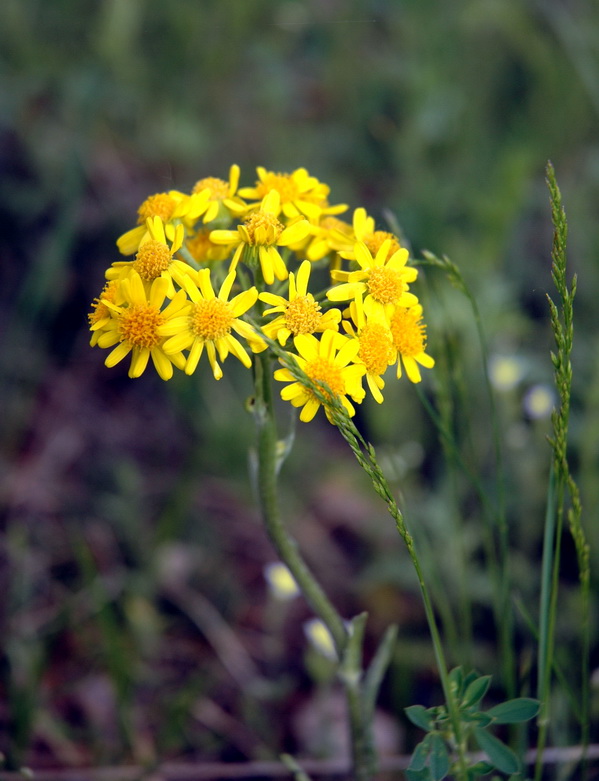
{"x":497,"y":527}
{"x":561,"y":483}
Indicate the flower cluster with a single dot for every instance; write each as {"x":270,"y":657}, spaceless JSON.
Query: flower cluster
{"x":259,"y":247}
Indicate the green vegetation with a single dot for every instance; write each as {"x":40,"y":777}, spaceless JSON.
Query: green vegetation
{"x":137,"y":624}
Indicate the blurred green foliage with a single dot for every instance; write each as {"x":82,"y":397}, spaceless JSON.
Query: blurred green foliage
{"x":437,"y":117}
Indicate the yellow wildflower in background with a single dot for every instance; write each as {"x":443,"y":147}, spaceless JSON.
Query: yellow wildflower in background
{"x":260,"y":236}
{"x":300,"y":313}
{"x":281,"y":583}
{"x":208,"y":322}
{"x":320,"y":637}
{"x":202,"y":249}
{"x":382,"y":279}
{"x":329,"y":360}
{"x":409,"y":338}
{"x":137,"y":324}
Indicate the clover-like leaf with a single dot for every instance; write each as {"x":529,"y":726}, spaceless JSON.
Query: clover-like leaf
{"x":502,"y":757}
{"x":439,"y":757}
{"x":514,"y":711}
{"x":481,"y":768}
{"x":419,"y":775}
{"x":476,"y":717}
{"x":476,"y":691}
{"x":469,"y":678}
{"x":420,"y":754}
{"x":419,"y":716}
{"x":456,"y":679}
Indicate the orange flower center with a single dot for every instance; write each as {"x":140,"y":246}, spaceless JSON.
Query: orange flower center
{"x":153,"y":257}
{"x":322,"y":370}
{"x":376,"y":348}
{"x":211,"y":319}
{"x":409,"y":333}
{"x":374,"y":240}
{"x":282,"y":183}
{"x":385,"y":285}
{"x":219,"y":189}
{"x":263,"y":228}
{"x":138,"y":325}
{"x":159,"y":205}
{"x":302,"y":315}
{"x":100,"y":310}
{"x":333,"y":223}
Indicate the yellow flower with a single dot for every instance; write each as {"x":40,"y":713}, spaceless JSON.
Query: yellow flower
{"x":363,"y":230}
{"x":383,"y":279}
{"x":301,"y":195}
{"x":325,"y":237}
{"x":101,"y":313}
{"x":330,"y":360}
{"x":377,"y":351}
{"x":300,"y":313}
{"x":222,"y":198}
{"x":209,"y":320}
{"x":203,"y":250}
{"x":409,"y":338}
{"x":154,"y":257}
{"x":137,"y":325}
{"x":260,"y":235}
{"x":167,"y":206}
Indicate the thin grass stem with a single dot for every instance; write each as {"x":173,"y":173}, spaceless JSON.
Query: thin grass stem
{"x":496,"y":511}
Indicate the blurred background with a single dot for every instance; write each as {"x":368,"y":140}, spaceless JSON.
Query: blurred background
{"x":137,"y":624}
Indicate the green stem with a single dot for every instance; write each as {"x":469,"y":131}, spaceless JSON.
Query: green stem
{"x":347,"y":643}
{"x":498,"y":560}
{"x":504,"y":617}
{"x":285,"y":545}
{"x":360,"y":719}
{"x":548,"y":608}
{"x":452,"y":705}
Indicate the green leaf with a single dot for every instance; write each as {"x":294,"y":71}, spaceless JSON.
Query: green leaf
{"x":514,"y":711}
{"x":439,"y":758}
{"x":481,"y":768}
{"x":419,"y":775}
{"x":502,"y":757}
{"x":468,"y":679}
{"x":420,"y":754}
{"x":419,"y":716}
{"x":476,"y":691}
{"x":476,"y":717}
{"x":456,"y":676}
{"x":456,"y":681}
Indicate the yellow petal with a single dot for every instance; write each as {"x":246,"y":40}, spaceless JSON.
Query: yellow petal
{"x":224,"y":237}
{"x":139,"y":361}
{"x":117,"y":354}
{"x":162,"y":364}
{"x":294,"y":233}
